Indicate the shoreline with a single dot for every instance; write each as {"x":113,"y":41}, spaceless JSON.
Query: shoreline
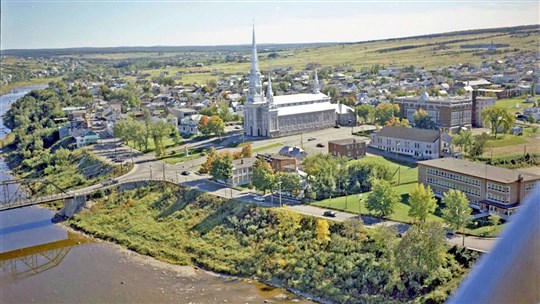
{"x":8,"y":88}
{"x":188,"y":270}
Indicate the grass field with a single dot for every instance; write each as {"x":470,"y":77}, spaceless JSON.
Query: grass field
{"x":179,"y":157}
{"x":509,"y":144}
{"x":404,"y":173}
{"x":5,"y":88}
{"x":267,"y":147}
{"x":167,"y":142}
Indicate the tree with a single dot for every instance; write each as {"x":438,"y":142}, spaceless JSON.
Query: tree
{"x":478,"y":145}
{"x":494,"y":220}
{"x":422,"y":120}
{"x":160,"y":130}
{"x":397,"y":122}
{"x":422,"y":250}
{"x":322,"y":231}
{"x":246,"y":151}
{"x":422,"y":202}
{"x":223,"y":111}
{"x":364,"y":112}
{"x":216,"y":125}
{"x":210,"y":157}
{"x":332,"y":91}
{"x":457,"y":213}
{"x":222,"y":167}
{"x":353,"y":228}
{"x":383,"y":198}
{"x":464,"y":140}
{"x":498,"y":119}
{"x":384,"y":112}
{"x":289,"y":182}
{"x":263,"y":175}
{"x":203,"y":125}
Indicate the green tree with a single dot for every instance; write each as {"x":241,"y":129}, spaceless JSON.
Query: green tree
{"x":203,"y":127}
{"x":364,"y":112}
{"x":383,"y":198}
{"x":478,"y":145}
{"x":494,"y":220}
{"x":464,"y":140}
{"x":422,"y":250}
{"x":222,"y":167}
{"x":422,"y":120}
{"x":422,"y":202}
{"x":457,"y":213}
{"x":289,"y":182}
{"x":498,"y":119}
{"x":332,"y":91}
{"x":263,"y":175}
{"x":160,"y":130}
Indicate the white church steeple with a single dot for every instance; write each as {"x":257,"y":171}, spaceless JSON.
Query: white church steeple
{"x":270,"y":93}
{"x":316,"y":86}
{"x":255,"y":86}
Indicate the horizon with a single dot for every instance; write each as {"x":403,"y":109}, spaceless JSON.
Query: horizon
{"x":264,"y":44}
{"x":58,"y":24}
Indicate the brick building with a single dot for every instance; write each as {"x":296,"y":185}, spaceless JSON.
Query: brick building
{"x":350,"y":147}
{"x":489,"y":188}
{"x":449,"y":113}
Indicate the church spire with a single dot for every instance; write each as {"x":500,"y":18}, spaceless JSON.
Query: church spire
{"x":269,"y":93}
{"x":316,"y":85}
{"x":254,"y":57}
{"x":255,"y":85}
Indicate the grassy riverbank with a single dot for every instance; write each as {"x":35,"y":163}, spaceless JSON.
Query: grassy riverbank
{"x":342,"y":262}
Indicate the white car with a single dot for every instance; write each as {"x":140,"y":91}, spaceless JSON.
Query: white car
{"x":259,"y":198}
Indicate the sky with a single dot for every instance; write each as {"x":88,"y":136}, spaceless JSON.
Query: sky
{"x":30,"y":24}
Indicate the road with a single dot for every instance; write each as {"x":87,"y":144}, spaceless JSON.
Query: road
{"x":147,"y":167}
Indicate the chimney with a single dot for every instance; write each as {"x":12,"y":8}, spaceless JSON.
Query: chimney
{"x":241,"y":161}
{"x":440,"y":143}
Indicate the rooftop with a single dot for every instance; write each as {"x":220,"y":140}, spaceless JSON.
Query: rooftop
{"x":283,"y":100}
{"x":346,"y":141}
{"x":409,"y":133}
{"x":480,"y":170}
{"x":306,"y":108}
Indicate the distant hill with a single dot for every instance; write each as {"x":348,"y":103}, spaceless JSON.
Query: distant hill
{"x":241,"y":48}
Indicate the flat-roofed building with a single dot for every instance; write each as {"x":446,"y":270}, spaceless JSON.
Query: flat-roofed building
{"x":449,"y":113}
{"x":488,"y":188}
{"x":350,"y":147}
{"x":417,"y":143}
{"x":280,"y":163}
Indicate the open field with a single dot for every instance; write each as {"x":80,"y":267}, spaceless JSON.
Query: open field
{"x":509,"y":144}
{"x":5,"y":88}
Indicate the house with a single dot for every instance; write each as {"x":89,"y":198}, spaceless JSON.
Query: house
{"x":349,"y":147}
{"x":417,"y":143}
{"x":242,"y":171}
{"x":346,"y":116}
{"x":86,"y":138}
{"x":533,"y":112}
{"x":488,"y":188}
{"x":189,"y":124}
{"x":280,"y":163}
{"x":295,"y":152}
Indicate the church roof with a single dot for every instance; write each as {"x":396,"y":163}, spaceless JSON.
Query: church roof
{"x":305,"y":97}
{"x":306,"y":108}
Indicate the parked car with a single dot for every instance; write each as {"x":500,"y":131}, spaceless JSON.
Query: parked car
{"x":185,"y":173}
{"x":337,"y":126}
{"x":320,"y":145}
{"x":109,"y":182}
{"x":330,"y":213}
{"x":259,"y":198}
{"x":311,"y":138}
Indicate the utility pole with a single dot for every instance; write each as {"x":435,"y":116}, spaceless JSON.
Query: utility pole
{"x":163,"y":171}
{"x":280,"y":204}
{"x":150,"y":171}
{"x":359,"y":205}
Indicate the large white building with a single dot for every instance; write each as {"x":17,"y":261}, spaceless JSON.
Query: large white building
{"x":267,"y":115}
{"x":418,"y":143}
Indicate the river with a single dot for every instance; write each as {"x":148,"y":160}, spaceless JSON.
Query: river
{"x":44,"y":262}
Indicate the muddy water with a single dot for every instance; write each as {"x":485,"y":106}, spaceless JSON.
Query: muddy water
{"x":41,"y":262}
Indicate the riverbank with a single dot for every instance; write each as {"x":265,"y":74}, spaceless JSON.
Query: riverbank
{"x":334,"y":261}
{"x":22,"y":85}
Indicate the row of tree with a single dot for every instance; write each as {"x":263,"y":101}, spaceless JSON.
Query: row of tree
{"x":139,"y":133}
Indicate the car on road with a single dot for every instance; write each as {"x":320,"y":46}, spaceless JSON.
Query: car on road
{"x":259,"y":198}
{"x":320,"y":145}
{"x":237,"y":127}
{"x":311,"y":138}
{"x":109,"y":182}
{"x":185,"y":173}
{"x":337,"y":126}
{"x":330,"y":213}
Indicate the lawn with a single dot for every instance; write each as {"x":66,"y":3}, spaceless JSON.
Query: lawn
{"x":267,"y":147}
{"x":405,"y":173}
{"x":180,"y":157}
{"x":168,"y":142}
{"x":506,"y":140}
{"x":514,"y":104}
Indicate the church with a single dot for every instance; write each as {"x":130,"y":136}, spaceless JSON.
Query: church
{"x":266,"y":115}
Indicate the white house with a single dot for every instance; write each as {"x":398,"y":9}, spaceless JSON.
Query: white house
{"x":188,"y":125}
{"x":418,"y":143}
{"x":242,"y":171}
{"x":86,"y":138}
